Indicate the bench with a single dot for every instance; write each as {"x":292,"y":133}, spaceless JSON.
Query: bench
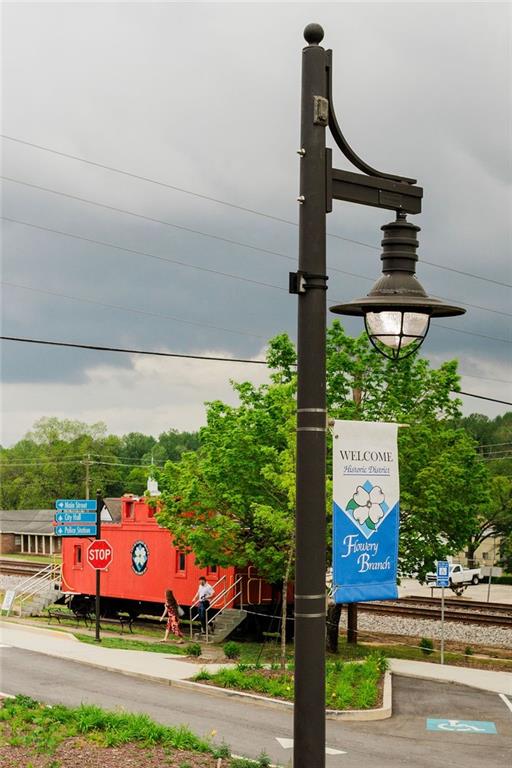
{"x":122,"y":619}
{"x":55,"y":613}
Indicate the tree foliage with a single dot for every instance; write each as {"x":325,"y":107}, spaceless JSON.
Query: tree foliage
{"x":232,"y":502}
{"x":51,"y":461}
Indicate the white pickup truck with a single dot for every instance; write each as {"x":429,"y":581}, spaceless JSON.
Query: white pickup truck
{"x":459,"y":576}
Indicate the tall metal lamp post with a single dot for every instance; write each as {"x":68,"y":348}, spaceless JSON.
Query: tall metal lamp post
{"x":397,"y":314}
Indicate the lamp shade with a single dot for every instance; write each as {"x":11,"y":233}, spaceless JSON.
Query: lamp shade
{"x":397,"y":310}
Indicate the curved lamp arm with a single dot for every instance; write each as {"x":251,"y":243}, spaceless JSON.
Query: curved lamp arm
{"x":343,"y":143}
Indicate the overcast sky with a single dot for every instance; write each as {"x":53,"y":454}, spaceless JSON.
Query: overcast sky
{"x":205,"y":97}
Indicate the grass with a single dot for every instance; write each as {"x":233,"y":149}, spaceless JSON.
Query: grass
{"x":348,"y":685}
{"x":134,"y":645}
{"x":42,"y":728}
{"x":45,"y":559}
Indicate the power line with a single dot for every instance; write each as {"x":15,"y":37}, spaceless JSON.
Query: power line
{"x":484,"y":378}
{"x":233,"y":205}
{"x":148,"y":255}
{"x":148,"y":218}
{"x":215,"y":237}
{"x":130,"y":309}
{"x":196,"y":267}
{"x":470,"y":333}
{"x":192,"y":357}
{"x":133,"y":351}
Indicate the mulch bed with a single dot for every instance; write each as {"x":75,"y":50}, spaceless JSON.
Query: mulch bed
{"x":81,"y":752}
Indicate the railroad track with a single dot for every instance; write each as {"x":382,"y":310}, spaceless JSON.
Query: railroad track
{"x":457,"y":602}
{"x":501,"y":617}
{"x":26,"y":568}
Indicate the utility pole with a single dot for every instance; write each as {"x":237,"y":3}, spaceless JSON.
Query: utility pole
{"x":87,"y":463}
{"x":99,"y":507}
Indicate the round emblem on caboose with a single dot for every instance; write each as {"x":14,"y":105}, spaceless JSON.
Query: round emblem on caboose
{"x":140,"y":557}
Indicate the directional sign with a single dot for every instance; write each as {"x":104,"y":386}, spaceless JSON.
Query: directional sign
{"x":443,"y":573}
{"x":288,"y":744}
{"x":75,"y":517}
{"x":75,"y":530}
{"x":461,"y":726}
{"x":99,"y":554}
{"x":77,"y":505}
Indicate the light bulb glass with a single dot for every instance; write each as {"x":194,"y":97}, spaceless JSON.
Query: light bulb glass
{"x":388,"y":328}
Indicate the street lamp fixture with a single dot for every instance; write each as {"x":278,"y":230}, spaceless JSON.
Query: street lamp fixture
{"x":397,"y":314}
{"x":397,"y":310}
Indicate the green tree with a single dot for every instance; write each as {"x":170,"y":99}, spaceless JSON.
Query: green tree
{"x":232,"y":502}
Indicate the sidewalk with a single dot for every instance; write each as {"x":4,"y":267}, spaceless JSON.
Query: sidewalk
{"x":485,"y":680}
{"x":155,"y":666}
{"x":168,"y":668}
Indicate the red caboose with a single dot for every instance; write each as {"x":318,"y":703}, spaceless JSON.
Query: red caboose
{"x":145,"y":563}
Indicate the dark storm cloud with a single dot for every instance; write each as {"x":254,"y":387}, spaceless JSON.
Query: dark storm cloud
{"x":206,"y":97}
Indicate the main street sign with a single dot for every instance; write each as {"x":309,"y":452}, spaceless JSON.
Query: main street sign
{"x":76,"y":505}
{"x":75,"y":517}
{"x":75,"y":530}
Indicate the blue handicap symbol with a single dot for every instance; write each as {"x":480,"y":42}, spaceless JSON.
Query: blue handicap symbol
{"x":461,"y":726}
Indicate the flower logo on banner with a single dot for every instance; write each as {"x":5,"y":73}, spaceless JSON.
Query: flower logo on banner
{"x":367,"y":508}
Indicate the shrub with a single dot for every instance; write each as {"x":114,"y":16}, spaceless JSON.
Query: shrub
{"x":231,"y":650}
{"x":468,"y":651}
{"x":193,"y":649}
{"x":427,"y":646}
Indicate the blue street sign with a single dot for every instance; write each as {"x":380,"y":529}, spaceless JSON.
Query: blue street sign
{"x":461,"y":726}
{"x":75,"y":517}
{"x":75,"y":530}
{"x":443,"y":573}
{"x":76,"y":505}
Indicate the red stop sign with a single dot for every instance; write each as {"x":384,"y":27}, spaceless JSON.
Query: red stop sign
{"x":99,"y":554}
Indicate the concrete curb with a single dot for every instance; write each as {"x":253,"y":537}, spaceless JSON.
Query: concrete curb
{"x":381,"y":713}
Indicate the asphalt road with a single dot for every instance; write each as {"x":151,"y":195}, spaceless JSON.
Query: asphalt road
{"x":400,"y":741}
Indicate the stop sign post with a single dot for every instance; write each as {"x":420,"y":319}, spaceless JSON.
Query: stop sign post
{"x":99,"y":554}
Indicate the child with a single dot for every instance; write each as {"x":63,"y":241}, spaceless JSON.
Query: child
{"x":171,"y":610}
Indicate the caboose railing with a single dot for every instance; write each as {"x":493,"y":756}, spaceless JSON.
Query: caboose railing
{"x":226,"y":597}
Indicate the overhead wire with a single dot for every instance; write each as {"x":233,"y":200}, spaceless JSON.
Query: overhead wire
{"x":133,"y":310}
{"x":217,"y":237}
{"x":188,"y":265}
{"x":101,"y":348}
{"x":231,"y":205}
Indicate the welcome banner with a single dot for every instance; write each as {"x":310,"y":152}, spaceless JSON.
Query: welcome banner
{"x":366,"y":508}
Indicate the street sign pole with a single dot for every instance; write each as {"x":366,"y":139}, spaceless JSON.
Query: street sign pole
{"x":99,"y":507}
{"x":442,"y":625}
{"x":442,"y":580}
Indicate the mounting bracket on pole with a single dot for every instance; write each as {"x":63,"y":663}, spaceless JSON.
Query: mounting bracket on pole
{"x":372,"y":187}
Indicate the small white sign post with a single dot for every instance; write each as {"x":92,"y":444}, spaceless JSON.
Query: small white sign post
{"x":8,"y":600}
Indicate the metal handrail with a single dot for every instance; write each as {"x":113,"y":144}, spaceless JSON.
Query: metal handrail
{"x":231,"y":600}
{"x":35,"y":577}
{"x":36,"y":584}
{"x":194,"y":605}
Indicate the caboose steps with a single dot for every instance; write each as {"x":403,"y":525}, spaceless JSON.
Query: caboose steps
{"x":224,"y":624}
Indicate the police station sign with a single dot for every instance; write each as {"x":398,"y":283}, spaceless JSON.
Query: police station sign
{"x":366,"y":493}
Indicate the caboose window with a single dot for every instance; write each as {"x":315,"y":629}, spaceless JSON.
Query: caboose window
{"x":77,"y":555}
{"x":212,"y":570}
{"x":181,"y":561}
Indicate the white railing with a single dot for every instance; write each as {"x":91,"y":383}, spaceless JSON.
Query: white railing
{"x":233,"y":588}
{"x":40,"y":582}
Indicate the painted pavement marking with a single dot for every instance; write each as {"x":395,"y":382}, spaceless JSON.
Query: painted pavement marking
{"x":288,"y":744}
{"x":507,"y":701}
{"x":461,"y":726}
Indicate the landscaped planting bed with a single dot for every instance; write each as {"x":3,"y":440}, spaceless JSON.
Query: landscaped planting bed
{"x":349,"y":685}
{"x":34,"y":735}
